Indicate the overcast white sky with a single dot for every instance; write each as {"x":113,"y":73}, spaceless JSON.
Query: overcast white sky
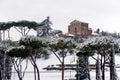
{"x":103,"y":14}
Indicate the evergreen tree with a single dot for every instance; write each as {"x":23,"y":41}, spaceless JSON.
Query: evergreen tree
{"x":62,"y":46}
{"x":83,"y":64}
{"x":34,"y":45}
{"x":29,"y":46}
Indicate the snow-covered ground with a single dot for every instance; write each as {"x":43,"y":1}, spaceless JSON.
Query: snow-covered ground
{"x":56,"y":75}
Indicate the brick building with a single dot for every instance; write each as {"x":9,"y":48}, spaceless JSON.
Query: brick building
{"x":79,"y":28}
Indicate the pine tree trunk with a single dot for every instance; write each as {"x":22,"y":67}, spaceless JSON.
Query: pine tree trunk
{"x":8,"y":34}
{"x":35,"y":74}
{"x":83,"y":68}
{"x":36,"y":67}
{"x":113,"y":75}
{"x":34,"y":63}
{"x":103,"y":69}
{"x":0,"y":73}
{"x":62,"y":71}
{"x":0,"y":36}
{"x":98,"y":69}
{"x":20,"y":78}
{"x":8,"y":66}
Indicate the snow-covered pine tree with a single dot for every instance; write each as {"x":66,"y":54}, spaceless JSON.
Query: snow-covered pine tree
{"x":60,"y":47}
{"x":83,"y":72}
{"x":33,"y":45}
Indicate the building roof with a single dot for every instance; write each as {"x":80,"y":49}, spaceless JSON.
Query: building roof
{"x":76,"y":21}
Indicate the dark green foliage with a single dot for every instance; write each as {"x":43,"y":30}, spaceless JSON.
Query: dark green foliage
{"x":32,"y":46}
{"x":18,"y":52}
{"x":61,"y":44}
{"x":90,"y":49}
{"x":42,"y":53}
{"x":23,"y":23}
{"x":86,"y":51}
{"x":35,"y":44}
{"x":3,"y":26}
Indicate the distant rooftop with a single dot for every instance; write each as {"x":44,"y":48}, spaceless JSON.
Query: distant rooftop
{"x":76,"y":21}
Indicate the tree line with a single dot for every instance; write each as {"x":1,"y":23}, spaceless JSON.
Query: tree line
{"x":105,"y":46}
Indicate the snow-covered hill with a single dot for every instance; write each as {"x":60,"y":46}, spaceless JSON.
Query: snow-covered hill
{"x":56,"y":75}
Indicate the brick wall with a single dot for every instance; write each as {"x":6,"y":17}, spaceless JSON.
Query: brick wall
{"x":76,"y":27}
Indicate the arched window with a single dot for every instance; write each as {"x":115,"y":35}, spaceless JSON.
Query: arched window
{"x":75,"y":30}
